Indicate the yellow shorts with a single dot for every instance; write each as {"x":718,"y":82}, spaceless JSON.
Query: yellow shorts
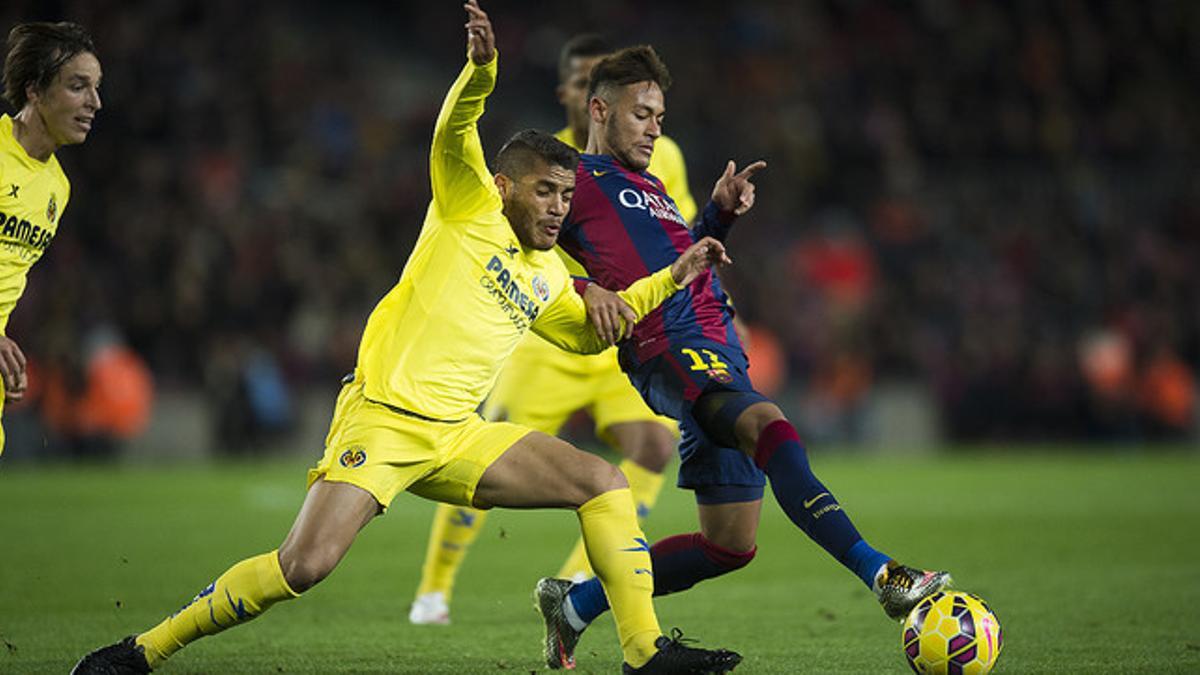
{"x":386,"y":452}
{"x":542,"y":385}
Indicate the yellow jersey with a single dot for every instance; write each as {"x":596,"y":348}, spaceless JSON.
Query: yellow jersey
{"x":33,"y":196}
{"x":435,"y":343}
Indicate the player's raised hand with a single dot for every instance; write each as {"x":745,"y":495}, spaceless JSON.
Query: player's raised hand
{"x":734,"y":193}
{"x":481,"y":40}
{"x":697,"y":258}
{"x":607,"y":311}
{"x":12,"y":370}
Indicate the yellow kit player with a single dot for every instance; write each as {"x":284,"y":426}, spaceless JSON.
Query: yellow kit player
{"x":541,"y":386}
{"x":480,"y":276}
{"x":52,"y":80}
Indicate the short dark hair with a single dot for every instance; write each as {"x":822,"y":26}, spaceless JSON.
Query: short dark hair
{"x":582,"y":46}
{"x":516,"y":158}
{"x":36,"y":52}
{"x":629,"y":66}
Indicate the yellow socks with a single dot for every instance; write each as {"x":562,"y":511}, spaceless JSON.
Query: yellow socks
{"x":621,"y":556}
{"x":454,"y":528}
{"x":243,"y":592}
{"x":645,"y":486}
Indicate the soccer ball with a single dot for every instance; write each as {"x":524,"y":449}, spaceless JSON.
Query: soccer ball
{"x":951,"y":633}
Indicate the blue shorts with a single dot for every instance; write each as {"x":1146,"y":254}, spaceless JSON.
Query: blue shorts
{"x":670,"y":383}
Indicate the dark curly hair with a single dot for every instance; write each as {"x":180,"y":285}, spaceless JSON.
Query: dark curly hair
{"x":36,"y":52}
{"x":629,"y":66}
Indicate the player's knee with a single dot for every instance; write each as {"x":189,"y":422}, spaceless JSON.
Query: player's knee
{"x":602,"y":477}
{"x":656,"y":449}
{"x":305,"y":569}
{"x":610,"y":478}
{"x":757,"y":418}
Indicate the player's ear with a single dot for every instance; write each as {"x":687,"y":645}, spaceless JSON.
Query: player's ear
{"x":503,"y":184}
{"x":598,"y":109}
{"x":561,"y":92}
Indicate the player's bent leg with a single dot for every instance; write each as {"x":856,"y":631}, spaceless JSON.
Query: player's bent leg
{"x":764,"y":432}
{"x":647,"y":448}
{"x":331,"y":516}
{"x":329,"y":520}
{"x":453,"y":531}
{"x":540,"y":471}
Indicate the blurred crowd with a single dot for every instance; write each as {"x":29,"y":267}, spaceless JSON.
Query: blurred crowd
{"x":998,"y":201}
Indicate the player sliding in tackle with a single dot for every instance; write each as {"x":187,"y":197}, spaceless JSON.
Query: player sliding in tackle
{"x":481,"y":275}
{"x":688,"y":364}
{"x":541,"y":386}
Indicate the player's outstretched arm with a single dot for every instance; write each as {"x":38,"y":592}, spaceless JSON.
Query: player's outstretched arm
{"x":565,"y":322}
{"x":462,"y":185}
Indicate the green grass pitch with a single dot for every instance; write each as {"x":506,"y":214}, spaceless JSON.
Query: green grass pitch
{"x":1091,"y":563}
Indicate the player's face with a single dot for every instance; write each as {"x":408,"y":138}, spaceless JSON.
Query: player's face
{"x":572,"y":92}
{"x":69,"y":104}
{"x":536,"y":203}
{"x":632,"y":122}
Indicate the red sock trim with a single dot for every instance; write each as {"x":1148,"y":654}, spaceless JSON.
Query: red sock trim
{"x":770,"y":438}
{"x":727,"y":558}
{"x":674,"y":544}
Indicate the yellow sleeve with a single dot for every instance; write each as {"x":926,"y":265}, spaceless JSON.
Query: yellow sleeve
{"x":667,"y":164}
{"x":565,"y":323}
{"x":458,"y":172}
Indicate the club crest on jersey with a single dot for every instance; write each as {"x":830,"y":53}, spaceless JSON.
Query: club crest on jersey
{"x":51,"y":209}
{"x":658,"y":206}
{"x":541,"y":289}
{"x":354,"y":457}
{"x":721,"y":376}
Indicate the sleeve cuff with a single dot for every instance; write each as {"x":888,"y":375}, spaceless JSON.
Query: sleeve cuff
{"x":667,"y":280}
{"x":713,"y":213}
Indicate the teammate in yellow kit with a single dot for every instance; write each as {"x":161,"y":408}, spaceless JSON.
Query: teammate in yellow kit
{"x":541,"y":386}
{"x":480,"y":276}
{"x":52,"y":80}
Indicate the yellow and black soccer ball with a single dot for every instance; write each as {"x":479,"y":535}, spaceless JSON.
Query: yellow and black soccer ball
{"x":951,"y":633}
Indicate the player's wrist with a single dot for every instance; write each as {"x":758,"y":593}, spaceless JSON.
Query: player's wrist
{"x":714,"y":211}
{"x":674,"y":276}
{"x":489,"y":63}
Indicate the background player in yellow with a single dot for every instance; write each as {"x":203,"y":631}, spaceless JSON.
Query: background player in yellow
{"x":52,"y":80}
{"x":480,"y":276}
{"x":541,"y":386}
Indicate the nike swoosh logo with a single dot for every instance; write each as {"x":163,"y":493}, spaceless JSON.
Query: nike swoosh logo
{"x":809,"y":502}
{"x":598,"y":174}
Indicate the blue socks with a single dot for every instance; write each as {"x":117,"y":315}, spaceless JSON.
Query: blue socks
{"x":781,"y":455}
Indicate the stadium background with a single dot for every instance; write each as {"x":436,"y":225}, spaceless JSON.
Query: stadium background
{"x":980,"y":228}
{"x":981,"y":220}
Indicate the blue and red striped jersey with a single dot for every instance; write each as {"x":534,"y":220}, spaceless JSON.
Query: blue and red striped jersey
{"x":623,"y":226}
